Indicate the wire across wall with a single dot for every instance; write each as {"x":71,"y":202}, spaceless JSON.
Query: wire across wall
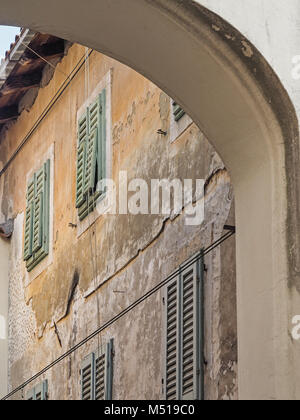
{"x":121,"y":314}
{"x":48,"y":108}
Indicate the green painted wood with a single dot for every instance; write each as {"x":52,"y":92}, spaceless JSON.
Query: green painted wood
{"x":38,"y":393}
{"x":89,"y":182}
{"x":88,"y":378}
{"x":184,"y":377}
{"x":83,"y":128}
{"x":91,"y":156}
{"x":81,"y":152}
{"x":102,"y":164}
{"x":30,"y":396}
{"x":178,"y":112}
{"x":109,"y":369}
{"x":40,"y":217}
{"x":171,"y":341}
{"x":97,"y":374}
{"x":29,"y":221}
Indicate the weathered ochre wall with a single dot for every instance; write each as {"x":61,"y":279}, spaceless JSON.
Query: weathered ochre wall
{"x":133,"y":252}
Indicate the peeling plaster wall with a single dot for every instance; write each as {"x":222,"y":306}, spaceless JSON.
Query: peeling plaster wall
{"x":132,"y":253}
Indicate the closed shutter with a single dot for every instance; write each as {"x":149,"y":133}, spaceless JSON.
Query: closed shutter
{"x":38,"y":393}
{"x":189,"y":339}
{"x":38,"y":210}
{"x":178,"y":112}
{"x":90,"y":164}
{"x":91,"y":156}
{"x":97,"y":374}
{"x":102,"y":138}
{"x":80,"y":198}
{"x":87,"y":378}
{"x":83,"y":128}
{"x":184,"y":334}
{"x":29,"y":221}
{"x":41,"y":391}
{"x":36,"y":237}
{"x":104,"y":372}
{"x":30,"y":396}
{"x":94,"y":112}
{"x":172,"y":341}
{"x":100,"y":377}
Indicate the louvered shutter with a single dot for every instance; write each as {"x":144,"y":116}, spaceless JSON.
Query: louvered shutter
{"x":83,"y":132}
{"x":172,"y":341}
{"x":83,"y":128}
{"x":41,"y":391}
{"x":38,"y":209}
{"x":29,"y":221}
{"x":88,"y":378}
{"x":94,"y":112}
{"x":38,"y":393}
{"x":184,"y":334}
{"x":30,"y":396}
{"x":104,"y":372}
{"x":178,"y":112}
{"x":36,"y":245}
{"x":90,"y":163}
{"x":80,"y":198}
{"x":189,"y":333}
{"x":91,"y":155}
{"x":102,"y":138}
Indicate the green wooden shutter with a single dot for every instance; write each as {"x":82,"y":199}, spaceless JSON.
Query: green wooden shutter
{"x":102,"y":138}
{"x":90,"y":164}
{"x":29,"y":221}
{"x":109,"y":370}
{"x":188,"y":364}
{"x":91,"y":156}
{"x":39,"y":238}
{"x":88,"y":378}
{"x":94,"y":112}
{"x":83,"y":128}
{"x":30,"y":396}
{"x":83,"y":132}
{"x":172,"y":340}
{"x":178,"y":112}
{"x":184,"y":334}
{"x":80,"y":197}
{"x":97,"y":122}
{"x":38,"y":210}
{"x":97,"y":374}
{"x":104,"y":372}
{"x":38,"y":393}
{"x":41,"y":391}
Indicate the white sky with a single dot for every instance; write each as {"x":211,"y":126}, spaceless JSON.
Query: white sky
{"x":7,"y":36}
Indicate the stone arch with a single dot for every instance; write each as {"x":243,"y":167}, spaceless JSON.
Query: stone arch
{"x":231,"y":92}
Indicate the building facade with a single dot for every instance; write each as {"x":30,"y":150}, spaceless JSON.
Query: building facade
{"x":74,"y":265}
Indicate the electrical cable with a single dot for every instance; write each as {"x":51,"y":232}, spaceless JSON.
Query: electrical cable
{"x":44,"y":59}
{"x":46,"y":111}
{"x":151,"y":292}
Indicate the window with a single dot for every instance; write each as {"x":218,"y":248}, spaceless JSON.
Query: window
{"x":184,"y":375}
{"x":97,"y":374}
{"x":38,"y":393}
{"x":36,"y":236}
{"x":179,"y":121}
{"x":91,"y":156}
{"x":178,"y":112}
